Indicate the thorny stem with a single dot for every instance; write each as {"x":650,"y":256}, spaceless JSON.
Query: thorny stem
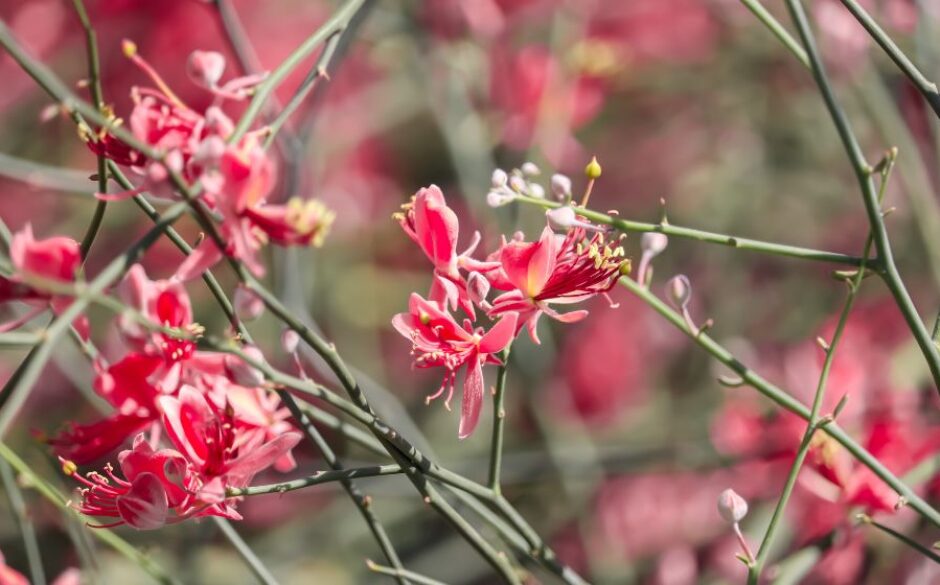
{"x":321,"y":477}
{"x":785,"y":400}
{"x":499,"y":423}
{"x":889,"y":272}
{"x":626,"y":225}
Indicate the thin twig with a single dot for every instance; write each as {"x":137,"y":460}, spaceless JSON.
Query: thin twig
{"x":23,"y":522}
{"x":499,"y":422}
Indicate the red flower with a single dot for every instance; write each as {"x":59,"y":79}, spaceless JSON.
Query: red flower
{"x":555,"y":269}
{"x":440,"y":342}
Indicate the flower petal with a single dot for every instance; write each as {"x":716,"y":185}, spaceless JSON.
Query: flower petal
{"x":472,"y":402}
{"x":499,"y":336}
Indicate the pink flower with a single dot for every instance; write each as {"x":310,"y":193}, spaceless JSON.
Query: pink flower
{"x":153,"y":486}
{"x":55,"y":260}
{"x":435,"y":228}
{"x":440,"y":342}
{"x":220,"y":454}
{"x":9,"y":576}
{"x":554,"y":270}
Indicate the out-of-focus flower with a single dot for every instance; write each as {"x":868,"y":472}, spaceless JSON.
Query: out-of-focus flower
{"x":440,"y":342}
{"x":9,"y":576}
{"x":54,"y":261}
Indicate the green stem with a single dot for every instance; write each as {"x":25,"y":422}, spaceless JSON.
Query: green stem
{"x":264,"y":90}
{"x":626,"y":225}
{"x":889,"y":272}
{"x":774,"y":26}
{"x":926,"y":87}
{"x":402,"y":574}
{"x":23,"y":522}
{"x":255,"y":564}
{"x":933,"y":556}
{"x":499,"y":423}
{"x":319,"y":478}
{"x":783,"y":399}
{"x":815,"y":422}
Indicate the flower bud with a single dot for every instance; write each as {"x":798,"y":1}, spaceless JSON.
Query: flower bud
{"x":499,"y":178}
{"x":731,"y":506}
{"x":290,"y":339}
{"x":561,"y":187}
{"x":530,"y":169}
{"x":210,"y":151}
{"x":537,"y":191}
{"x":205,"y":68}
{"x":679,"y":291}
{"x":241,"y":372}
{"x":248,"y":305}
{"x":653,"y":243}
{"x":500,"y":197}
{"x":564,"y":218}
{"x":517,"y":184}
{"x":593,"y":169}
{"x":477,"y":287}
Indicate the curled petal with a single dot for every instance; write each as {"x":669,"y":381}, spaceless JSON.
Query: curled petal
{"x":144,"y":506}
{"x":497,"y":338}
{"x":472,"y":402}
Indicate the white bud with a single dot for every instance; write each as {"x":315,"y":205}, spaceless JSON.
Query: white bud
{"x":536,"y":190}
{"x":210,"y":150}
{"x":564,"y":218}
{"x":561,"y":187}
{"x":499,"y":178}
{"x":731,"y":506}
{"x":248,"y":305}
{"x":243,"y":373}
{"x":500,"y":197}
{"x":290,"y":339}
{"x":679,"y":291}
{"x":530,"y":169}
{"x":477,"y":287}
{"x":654,"y":243}
{"x":517,"y":184}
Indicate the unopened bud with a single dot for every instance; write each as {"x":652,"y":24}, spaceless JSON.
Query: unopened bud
{"x":653,"y":243}
{"x":205,"y":67}
{"x":499,"y":178}
{"x":679,"y":291}
{"x":561,"y":187}
{"x":593,"y":169}
{"x":243,"y":373}
{"x":731,"y":506}
{"x":500,"y":197}
{"x":290,"y":339}
{"x":536,"y":190}
{"x":564,"y":218}
{"x":517,"y":183}
{"x":210,"y":151}
{"x":530,"y":169}
{"x":477,"y":287}
{"x":248,"y":305}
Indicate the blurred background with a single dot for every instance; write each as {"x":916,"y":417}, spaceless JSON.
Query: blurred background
{"x":620,"y":437}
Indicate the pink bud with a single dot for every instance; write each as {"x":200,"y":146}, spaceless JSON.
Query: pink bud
{"x":731,"y":506}
{"x":248,"y":305}
{"x":205,"y":67}
{"x":564,"y":218}
{"x":679,"y":291}
{"x":561,"y":187}
{"x":290,"y":339}
{"x":477,"y":287}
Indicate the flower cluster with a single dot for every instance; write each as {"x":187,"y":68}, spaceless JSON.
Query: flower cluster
{"x":564,"y":266}
{"x":222,"y":425}
{"x":236,"y":176}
